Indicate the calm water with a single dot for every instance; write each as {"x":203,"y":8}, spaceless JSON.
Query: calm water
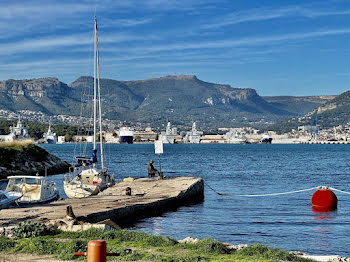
{"x":285,"y":221}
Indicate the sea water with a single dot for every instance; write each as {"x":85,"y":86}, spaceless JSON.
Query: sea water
{"x":285,"y":221}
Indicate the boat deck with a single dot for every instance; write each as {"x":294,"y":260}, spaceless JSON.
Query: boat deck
{"x":149,"y":197}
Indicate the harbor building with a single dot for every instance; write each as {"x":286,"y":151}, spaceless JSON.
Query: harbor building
{"x":147,"y":135}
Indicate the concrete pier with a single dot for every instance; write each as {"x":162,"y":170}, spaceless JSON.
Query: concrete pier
{"x":149,"y":197}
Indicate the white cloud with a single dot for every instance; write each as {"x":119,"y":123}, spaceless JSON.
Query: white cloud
{"x":242,"y":42}
{"x":108,"y":22}
{"x":263,"y":14}
{"x":55,"y":42}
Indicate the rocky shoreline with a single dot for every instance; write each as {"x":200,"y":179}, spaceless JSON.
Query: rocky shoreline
{"x":29,"y":159}
{"x":318,"y":258}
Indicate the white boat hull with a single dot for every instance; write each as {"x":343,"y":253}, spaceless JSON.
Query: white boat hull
{"x":80,"y":190}
{"x":51,"y":197}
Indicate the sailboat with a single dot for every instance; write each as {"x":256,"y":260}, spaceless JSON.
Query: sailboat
{"x":90,"y":180}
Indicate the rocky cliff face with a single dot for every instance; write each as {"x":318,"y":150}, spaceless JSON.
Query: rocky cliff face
{"x":29,"y":160}
{"x":35,"y":88}
{"x":48,"y":95}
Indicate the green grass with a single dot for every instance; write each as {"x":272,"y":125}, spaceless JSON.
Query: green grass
{"x":139,"y":246}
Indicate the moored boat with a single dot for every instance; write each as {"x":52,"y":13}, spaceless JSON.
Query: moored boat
{"x":87,"y":179}
{"x":34,"y":189}
{"x":49,"y":136}
{"x":266,"y":139}
{"x":126,"y":135}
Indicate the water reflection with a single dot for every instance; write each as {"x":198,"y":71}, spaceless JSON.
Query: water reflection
{"x":325,"y":214}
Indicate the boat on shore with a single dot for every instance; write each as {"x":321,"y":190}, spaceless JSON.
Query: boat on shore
{"x":86,"y":179}
{"x":7,"y":198}
{"x":34,"y":189}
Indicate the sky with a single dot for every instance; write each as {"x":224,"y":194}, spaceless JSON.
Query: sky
{"x":294,"y":48}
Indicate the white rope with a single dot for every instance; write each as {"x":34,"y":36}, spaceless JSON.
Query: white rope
{"x":341,"y":191}
{"x":262,"y":195}
{"x":273,"y":194}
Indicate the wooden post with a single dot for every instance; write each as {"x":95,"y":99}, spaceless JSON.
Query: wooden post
{"x":160,"y":168}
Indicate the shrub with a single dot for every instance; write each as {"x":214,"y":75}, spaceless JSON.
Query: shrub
{"x":32,"y":229}
{"x":268,"y":253}
{"x":209,"y":245}
{"x":6,"y":243}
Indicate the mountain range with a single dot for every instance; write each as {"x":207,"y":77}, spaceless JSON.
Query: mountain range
{"x":180,"y":99}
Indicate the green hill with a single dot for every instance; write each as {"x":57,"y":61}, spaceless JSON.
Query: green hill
{"x":333,"y":113}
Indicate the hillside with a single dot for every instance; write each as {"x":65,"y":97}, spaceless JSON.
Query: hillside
{"x":299,"y":105}
{"x":333,"y":113}
{"x":47,"y":95}
{"x":182,"y":99}
{"x":179,"y":99}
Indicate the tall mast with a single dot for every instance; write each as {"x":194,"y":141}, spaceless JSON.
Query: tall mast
{"x":95,"y":69}
{"x":99,"y":101}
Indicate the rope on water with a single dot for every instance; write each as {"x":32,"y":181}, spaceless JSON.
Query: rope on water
{"x":341,"y":191}
{"x":274,"y":194}
{"x":261,"y":195}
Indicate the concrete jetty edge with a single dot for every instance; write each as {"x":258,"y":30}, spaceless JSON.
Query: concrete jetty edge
{"x":128,"y":214}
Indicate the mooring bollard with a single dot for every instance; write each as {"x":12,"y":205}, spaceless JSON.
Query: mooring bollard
{"x":97,"y":251}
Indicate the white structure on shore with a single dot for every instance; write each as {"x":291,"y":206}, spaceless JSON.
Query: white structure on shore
{"x":168,"y":137}
{"x":18,"y":132}
{"x":193,"y":136}
{"x":61,"y":140}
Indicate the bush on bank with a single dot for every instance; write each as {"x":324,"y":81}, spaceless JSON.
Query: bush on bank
{"x":134,"y":246}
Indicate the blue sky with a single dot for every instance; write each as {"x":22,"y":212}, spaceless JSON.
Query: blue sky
{"x":276,"y":47}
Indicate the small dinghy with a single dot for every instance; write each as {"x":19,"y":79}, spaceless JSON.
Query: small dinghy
{"x":34,"y":189}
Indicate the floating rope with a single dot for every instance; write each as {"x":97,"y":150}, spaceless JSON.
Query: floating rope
{"x":261,"y":195}
{"x":275,"y":194}
{"x":341,"y":191}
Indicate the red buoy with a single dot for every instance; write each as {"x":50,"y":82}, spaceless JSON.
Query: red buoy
{"x":324,"y":200}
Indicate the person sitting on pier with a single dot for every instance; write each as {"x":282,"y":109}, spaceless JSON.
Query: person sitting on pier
{"x":151,"y":170}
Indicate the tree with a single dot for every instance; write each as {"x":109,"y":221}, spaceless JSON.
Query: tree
{"x":68,"y":137}
{"x":137,"y":139}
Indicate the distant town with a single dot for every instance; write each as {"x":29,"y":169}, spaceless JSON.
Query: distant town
{"x":119,"y":132}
